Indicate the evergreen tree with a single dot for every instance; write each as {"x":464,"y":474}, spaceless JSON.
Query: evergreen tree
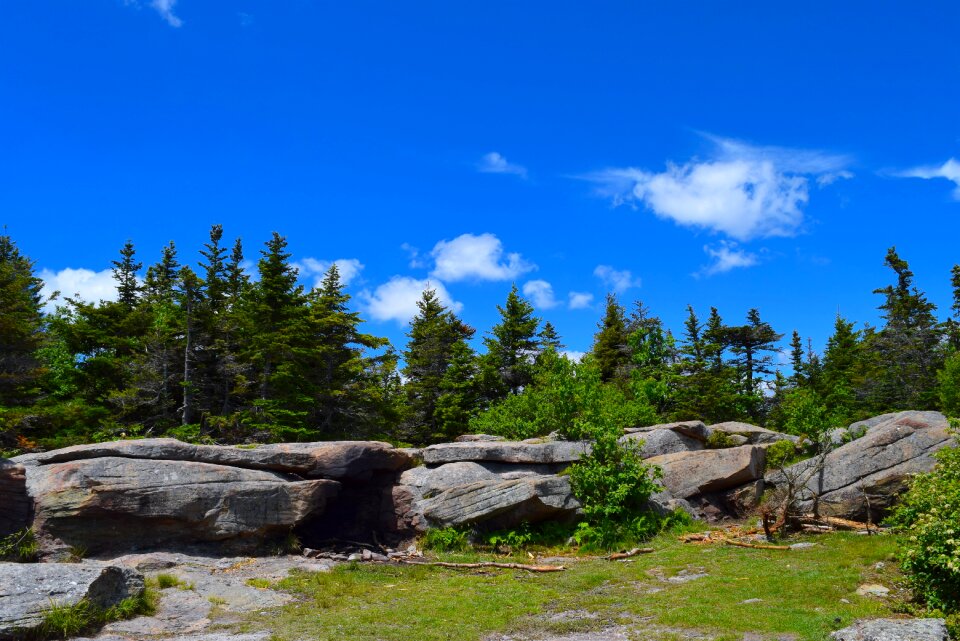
{"x":753,"y":346}
{"x":125,"y":272}
{"x":439,"y":372}
{"x":611,"y":346}
{"x":798,"y":378}
{"x":21,"y":326}
{"x":549,"y":338}
{"x":953,"y":324}
{"x":511,"y":348}
{"x":906,"y":351}
{"x":838,"y":380}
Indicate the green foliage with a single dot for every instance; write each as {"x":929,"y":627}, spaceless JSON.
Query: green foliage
{"x":930,"y":519}
{"x":166,"y":581}
{"x":803,"y":414}
{"x":780,"y":454}
{"x":65,"y":621}
{"x":507,"y":367}
{"x":448,"y":539}
{"x":19,"y":547}
{"x":719,"y":440}
{"x":948,"y":380}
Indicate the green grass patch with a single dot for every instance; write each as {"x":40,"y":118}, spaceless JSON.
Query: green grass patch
{"x":800,"y":594}
{"x":65,"y":621}
{"x":261,"y":584}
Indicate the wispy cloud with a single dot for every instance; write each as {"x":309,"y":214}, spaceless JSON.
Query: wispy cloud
{"x":165,"y":9}
{"x":494,"y":163}
{"x":580,"y":300}
{"x":726,"y":256}
{"x":397,"y":298}
{"x":541,"y":293}
{"x":618,"y":280}
{"x":742,"y":191}
{"x":476,"y":257}
{"x":949,"y":170}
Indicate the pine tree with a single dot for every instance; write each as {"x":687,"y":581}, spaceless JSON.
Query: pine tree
{"x":906,"y":351}
{"x":611,"y":345}
{"x":191,"y":306}
{"x":439,"y":372}
{"x":798,"y":378}
{"x":549,"y":338}
{"x":511,"y":348}
{"x":953,"y":327}
{"x":753,"y":346}
{"x":839,"y":378}
{"x":21,"y":326}
{"x":125,"y":273}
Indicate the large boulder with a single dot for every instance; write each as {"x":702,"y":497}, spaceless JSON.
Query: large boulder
{"x":28,"y":590}
{"x":496,"y":504}
{"x":894,"y":630}
{"x":113,"y":503}
{"x":693,"y":429}
{"x":331,"y":460}
{"x":15,"y":504}
{"x":871,"y":470}
{"x":688,"y":474}
{"x":754,"y":434}
{"x":663,"y":441}
{"x":550,"y":452}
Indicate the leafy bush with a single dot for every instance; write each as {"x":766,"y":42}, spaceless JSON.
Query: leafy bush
{"x":719,"y":440}
{"x":949,"y":385}
{"x":563,"y":396}
{"x":448,"y":539}
{"x":930,"y":519}
{"x":19,"y":547}
{"x":780,"y":454}
{"x":803,"y":414}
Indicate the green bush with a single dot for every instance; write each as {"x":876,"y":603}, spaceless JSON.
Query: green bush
{"x":448,"y":539}
{"x":929,"y":517}
{"x":780,"y":454}
{"x":19,"y":547}
{"x":64,"y":621}
{"x":719,"y":440}
{"x":949,"y":385}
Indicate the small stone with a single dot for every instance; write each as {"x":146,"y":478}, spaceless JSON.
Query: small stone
{"x":366,"y":555}
{"x":380,"y":558}
{"x":355,"y":557}
{"x":412,"y":550}
{"x":873,"y":589}
{"x":880,"y":565}
{"x":847,"y":601}
{"x":751,"y":601}
{"x":802,"y":546}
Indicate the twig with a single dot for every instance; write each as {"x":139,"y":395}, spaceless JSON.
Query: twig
{"x":489,"y":564}
{"x":741,"y":544}
{"x":626,"y":555}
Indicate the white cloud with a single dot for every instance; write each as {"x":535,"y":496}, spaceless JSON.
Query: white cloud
{"x":414,"y":254}
{"x":949,"y":170}
{"x":726,"y":256}
{"x":397,"y":298}
{"x":573,"y":355}
{"x":580,"y":300}
{"x":616,"y":279}
{"x":349,"y":269}
{"x":744,"y":191}
{"x":494,"y":163}
{"x":85,"y":284}
{"x":541,"y":293}
{"x":470,"y":257}
{"x":163,"y":7}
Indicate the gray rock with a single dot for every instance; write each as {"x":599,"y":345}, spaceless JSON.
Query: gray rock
{"x":753,"y":433}
{"x":878,"y":465}
{"x":125,"y":503}
{"x":431,"y":481}
{"x":693,"y":429}
{"x":28,"y":589}
{"x":687,"y":474}
{"x":506,"y":452}
{"x":15,"y":513}
{"x":894,"y":630}
{"x":332,"y":460}
{"x":474,"y":438}
{"x":502,"y":503}
{"x":663,"y":441}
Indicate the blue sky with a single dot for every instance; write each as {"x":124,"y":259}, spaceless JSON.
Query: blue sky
{"x":728,"y":154}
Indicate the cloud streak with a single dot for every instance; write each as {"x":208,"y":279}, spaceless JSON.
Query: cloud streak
{"x":949,"y":170}
{"x":494,"y":163}
{"x":726,"y":256}
{"x":618,"y":280}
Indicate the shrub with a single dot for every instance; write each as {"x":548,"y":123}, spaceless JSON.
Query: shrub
{"x":448,"y":539}
{"x":719,"y":440}
{"x":930,"y":519}
{"x":19,"y":547}
{"x":780,"y":454}
{"x":949,"y":385}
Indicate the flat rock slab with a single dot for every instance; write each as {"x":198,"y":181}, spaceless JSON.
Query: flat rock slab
{"x":894,"y":630}
{"x":330,"y":460}
{"x":663,"y":441}
{"x":29,"y":589}
{"x":753,"y":433}
{"x":693,"y":429}
{"x":550,"y":452}
{"x":127,"y":504}
{"x":687,"y":474}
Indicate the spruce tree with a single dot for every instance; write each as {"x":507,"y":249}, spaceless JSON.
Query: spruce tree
{"x":21,"y":326}
{"x":125,"y":272}
{"x":798,"y":378}
{"x":439,"y":370}
{"x":611,"y":345}
{"x":549,"y":338}
{"x":839,"y":377}
{"x":511,"y":348}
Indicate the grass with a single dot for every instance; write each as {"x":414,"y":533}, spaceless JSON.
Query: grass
{"x":800,"y":594}
{"x":19,"y":547}
{"x":64,"y":621}
{"x":165,"y":581}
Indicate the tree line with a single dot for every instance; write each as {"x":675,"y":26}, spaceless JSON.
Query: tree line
{"x":207,"y":353}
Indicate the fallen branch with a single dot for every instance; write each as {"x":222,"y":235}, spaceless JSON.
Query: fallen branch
{"x":834,"y":521}
{"x":489,"y":564}
{"x":741,"y":544}
{"x":616,"y":556}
